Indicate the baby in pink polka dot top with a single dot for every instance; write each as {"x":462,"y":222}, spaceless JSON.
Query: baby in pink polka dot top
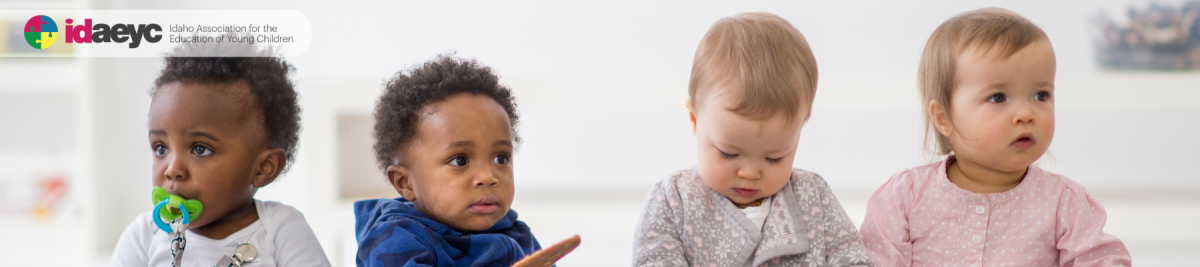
{"x":987,"y":84}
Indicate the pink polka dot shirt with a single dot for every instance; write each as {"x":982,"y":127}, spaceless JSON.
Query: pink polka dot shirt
{"x":920,"y":218}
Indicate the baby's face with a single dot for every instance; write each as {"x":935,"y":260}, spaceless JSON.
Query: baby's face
{"x":205,"y":141}
{"x":740,"y":158}
{"x":458,"y":169}
{"x":1002,"y":111}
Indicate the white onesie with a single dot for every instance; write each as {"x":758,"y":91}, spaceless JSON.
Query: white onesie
{"x":758,"y":215}
{"x":281,"y":236}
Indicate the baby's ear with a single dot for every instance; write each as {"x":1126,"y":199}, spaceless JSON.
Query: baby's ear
{"x":691,"y":114}
{"x":941,"y":119}
{"x":270,"y":164}
{"x":401,"y":179}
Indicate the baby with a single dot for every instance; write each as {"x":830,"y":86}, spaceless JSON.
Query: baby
{"x":751,"y":90}
{"x":444,"y":134}
{"x":220,"y":128}
{"x":987,"y":84}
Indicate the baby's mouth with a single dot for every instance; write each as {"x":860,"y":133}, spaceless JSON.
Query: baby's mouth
{"x":485,"y":206}
{"x":1024,"y":141}
{"x":745,"y":192}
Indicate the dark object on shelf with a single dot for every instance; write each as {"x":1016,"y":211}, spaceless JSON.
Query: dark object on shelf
{"x":1157,"y":38}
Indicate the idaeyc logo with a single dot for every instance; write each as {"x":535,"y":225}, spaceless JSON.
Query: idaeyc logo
{"x":41,"y":32}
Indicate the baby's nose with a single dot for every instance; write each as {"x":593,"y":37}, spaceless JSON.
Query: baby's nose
{"x":749,"y":173}
{"x":486,"y":179}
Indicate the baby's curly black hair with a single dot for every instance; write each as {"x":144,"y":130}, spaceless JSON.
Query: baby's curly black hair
{"x":399,"y":109}
{"x":232,"y":62}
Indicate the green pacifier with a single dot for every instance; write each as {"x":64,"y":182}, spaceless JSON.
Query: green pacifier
{"x":175,"y":206}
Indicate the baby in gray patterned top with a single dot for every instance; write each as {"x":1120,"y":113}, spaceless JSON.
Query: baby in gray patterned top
{"x":751,"y":90}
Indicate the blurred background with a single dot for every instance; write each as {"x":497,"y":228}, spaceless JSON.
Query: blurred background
{"x":600,"y":87}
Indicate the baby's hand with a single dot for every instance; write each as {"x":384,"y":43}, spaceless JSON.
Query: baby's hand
{"x":548,"y":256}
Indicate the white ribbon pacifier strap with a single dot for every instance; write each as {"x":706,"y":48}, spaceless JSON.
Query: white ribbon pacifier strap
{"x":178,"y":242}
{"x":178,"y":237}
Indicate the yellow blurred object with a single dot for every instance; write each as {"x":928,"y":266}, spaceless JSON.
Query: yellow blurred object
{"x":41,"y":212}
{"x":5,"y":32}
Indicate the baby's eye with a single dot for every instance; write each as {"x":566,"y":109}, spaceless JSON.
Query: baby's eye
{"x":159,"y":150}
{"x":728,"y":156}
{"x":1042,"y":96}
{"x":200,"y":150}
{"x":775,"y":160}
{"x":501,"y":159}
{"x":997,"y":98}
{"x":458,"y":161}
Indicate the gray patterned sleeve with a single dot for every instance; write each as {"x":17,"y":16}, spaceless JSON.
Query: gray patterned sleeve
{"x":657,"y":239}
{"x":846,"y":247}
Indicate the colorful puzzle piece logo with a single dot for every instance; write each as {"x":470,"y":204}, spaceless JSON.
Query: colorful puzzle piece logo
{"x":41,"y":32}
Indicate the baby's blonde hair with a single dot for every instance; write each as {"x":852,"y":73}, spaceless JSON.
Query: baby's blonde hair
{"x":987,"y":28}
{"x":763,"y":54}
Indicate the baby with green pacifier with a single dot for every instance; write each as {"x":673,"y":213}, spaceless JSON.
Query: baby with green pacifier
{"x":220,"y":128}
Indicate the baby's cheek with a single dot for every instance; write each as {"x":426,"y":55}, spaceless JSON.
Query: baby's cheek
{"x":1048,"y":127}
{"x":451,"y":203}
{"x":718,"y":168}
{"x":715,"y":180}
{"x":157,"y":173}
{"x":778,"y":180}
{"x":982,"y":136}
{"x":434,"y":208}
{"x":507,"y":194}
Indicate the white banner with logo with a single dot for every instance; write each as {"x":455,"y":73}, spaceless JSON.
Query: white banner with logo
{"x":152,"y":33}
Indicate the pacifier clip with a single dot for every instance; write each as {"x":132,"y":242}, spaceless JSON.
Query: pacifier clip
{"x":178,"y":213}
{"x":173,"y":213}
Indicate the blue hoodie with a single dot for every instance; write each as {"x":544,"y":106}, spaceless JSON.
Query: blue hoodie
{"x":391,"y":232}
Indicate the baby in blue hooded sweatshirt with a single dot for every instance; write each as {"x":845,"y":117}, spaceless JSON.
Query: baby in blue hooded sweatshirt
{"x":444,"y":133}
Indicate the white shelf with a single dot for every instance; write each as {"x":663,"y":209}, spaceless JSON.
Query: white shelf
{"x":41,"y":76}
